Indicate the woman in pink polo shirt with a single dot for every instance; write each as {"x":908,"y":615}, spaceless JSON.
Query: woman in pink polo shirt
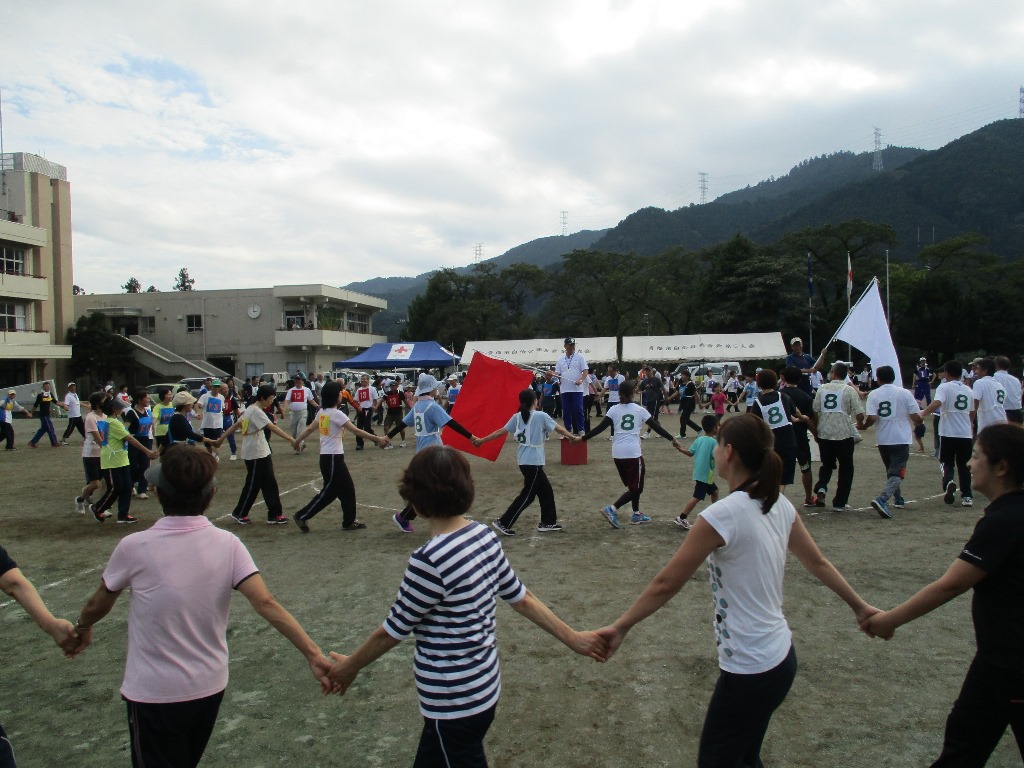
{"x":182,"y":572}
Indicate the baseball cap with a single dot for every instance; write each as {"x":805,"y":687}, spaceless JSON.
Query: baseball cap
{"x":796,"y":340}
{"x":569,"y":340}
{"x":11,"y":392}
{"x":215,"y":383}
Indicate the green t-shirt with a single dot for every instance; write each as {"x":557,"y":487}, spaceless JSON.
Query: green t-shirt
{"x":113,"y":452}
{"x":703,"y":459}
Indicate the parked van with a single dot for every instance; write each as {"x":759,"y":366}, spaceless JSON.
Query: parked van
{"x":718,"y":371}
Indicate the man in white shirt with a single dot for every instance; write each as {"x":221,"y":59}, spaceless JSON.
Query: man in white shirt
{"x":1013,"y":390}
{"x":368,"y":398}
{"x":989,"y":396}
{"x":74,"y":408}
{"x":893,"y":408}
{"x":836,"y":403}
{"x":952,"y":399}
{"x":297,"y":399}
{"x":572,"y":369}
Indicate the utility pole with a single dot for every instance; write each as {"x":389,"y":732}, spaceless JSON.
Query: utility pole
{"x":565,"y":223}
{"x":703,"y":181}
{"x":876,"y":164}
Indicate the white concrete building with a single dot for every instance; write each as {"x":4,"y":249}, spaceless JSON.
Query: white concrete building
{"x":243,"y":332}
{"x":36,"y":280}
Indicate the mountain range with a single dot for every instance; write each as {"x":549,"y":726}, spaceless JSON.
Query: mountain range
{"x":973,"y":184}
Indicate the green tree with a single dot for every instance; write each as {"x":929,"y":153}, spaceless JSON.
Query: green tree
{"x":753,"y":288}
{"x":152,"y":289}
{"x":597,"y":294}
{"x":96,"y":351}
{"x":132,"y":286}
{"x":183,"y":281}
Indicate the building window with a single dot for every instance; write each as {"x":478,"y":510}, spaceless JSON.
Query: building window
{"x":12,"y":260}
{"x":358,"y":322}
{"x":13,"y":316}
{"x":194,"y":323}
{"x":147,"y":324}
{"x":294,"y":320}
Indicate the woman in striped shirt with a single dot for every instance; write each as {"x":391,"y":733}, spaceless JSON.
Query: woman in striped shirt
{"x":447,"y":600}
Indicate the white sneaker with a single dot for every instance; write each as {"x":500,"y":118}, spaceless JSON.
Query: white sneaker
{"x":402,"y":445}
{"x":143,"y":496}
{"x":134,"y":492}
{"x":645,"y":435}
{"x":79,"y":506}
{"x":967,"y":501}
{"x":234,"y":457}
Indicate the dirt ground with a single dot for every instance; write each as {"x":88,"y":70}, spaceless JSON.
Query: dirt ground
{"x":856,"y":702}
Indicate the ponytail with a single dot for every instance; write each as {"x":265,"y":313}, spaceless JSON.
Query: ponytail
{"x":526,"y":400}
{"x":753,"y":443}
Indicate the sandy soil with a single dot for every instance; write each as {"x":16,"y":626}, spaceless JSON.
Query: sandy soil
{"x":856,"y":702}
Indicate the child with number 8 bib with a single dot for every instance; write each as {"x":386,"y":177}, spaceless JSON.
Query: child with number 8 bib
{"x":628,"y":418}
{"x":530,"y":428}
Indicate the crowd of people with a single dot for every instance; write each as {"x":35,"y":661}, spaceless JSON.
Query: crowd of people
{"x":447,"y":596}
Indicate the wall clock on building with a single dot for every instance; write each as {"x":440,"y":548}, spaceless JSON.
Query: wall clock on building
{"x":254,"y":311}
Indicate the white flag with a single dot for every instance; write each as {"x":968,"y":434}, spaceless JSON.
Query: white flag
{"x":866,"y":329}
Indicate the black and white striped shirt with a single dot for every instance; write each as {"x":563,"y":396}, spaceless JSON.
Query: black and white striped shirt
{"x":447,"y":601}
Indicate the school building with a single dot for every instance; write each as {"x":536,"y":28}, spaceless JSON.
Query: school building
{"x":243,"y":332}
{"x":36,"y":281}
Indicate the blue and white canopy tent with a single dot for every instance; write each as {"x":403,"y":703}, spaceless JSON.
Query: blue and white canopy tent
{"x":406,"y":354}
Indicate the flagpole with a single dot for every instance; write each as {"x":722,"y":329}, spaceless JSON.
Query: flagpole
{"x":810,"y":306}
{"x":849,"y":290}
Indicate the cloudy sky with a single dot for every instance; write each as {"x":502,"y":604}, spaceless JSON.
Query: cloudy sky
{"x":332,"y":141}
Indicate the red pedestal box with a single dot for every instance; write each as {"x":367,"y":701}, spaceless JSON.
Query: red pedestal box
{"x":573,"y":453}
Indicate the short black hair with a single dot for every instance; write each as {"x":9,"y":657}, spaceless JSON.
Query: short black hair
{"x":953,"y":368}
{"x":885,"y":374}
{"x":438,"y":482}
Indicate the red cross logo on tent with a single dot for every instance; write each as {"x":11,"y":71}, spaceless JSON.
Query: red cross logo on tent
{"x":400,"y":351}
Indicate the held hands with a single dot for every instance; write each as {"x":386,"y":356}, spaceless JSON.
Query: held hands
{"x":320,"y":666}
{"x":382,"y":442}
{"x":679,"y":446}
{"x":476,"y":441}
{"x":613,"y":637}
{"x":71,"y":640}
{"x":878,"y":624}
{"x":590,"y":644}
{"x":340,"y":675}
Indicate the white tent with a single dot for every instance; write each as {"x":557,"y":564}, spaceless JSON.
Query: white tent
{"x":533,"y":352}
{"x":705,"y":347}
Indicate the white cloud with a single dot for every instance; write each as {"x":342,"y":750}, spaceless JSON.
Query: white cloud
{"x":342,"y":140}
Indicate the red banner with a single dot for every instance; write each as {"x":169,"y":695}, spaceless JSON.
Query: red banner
{"x":487,"y":400}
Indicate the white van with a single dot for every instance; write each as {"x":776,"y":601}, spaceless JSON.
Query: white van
{"x":718,"y":371}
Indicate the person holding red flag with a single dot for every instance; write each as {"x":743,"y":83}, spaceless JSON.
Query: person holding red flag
{"x":427,"y":419}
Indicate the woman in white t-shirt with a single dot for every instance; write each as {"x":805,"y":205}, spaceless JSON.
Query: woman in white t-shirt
{"x":259,"y":467}
{"x":743,"y":538}
{"x":331,"y":423}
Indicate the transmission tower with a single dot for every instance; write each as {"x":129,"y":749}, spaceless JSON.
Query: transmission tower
{"x":1021,"y":101}
{"x":565,"y":223}
{"x":876,"y":164}
{"x":478,"y":253}
{"x":703,"y":181}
